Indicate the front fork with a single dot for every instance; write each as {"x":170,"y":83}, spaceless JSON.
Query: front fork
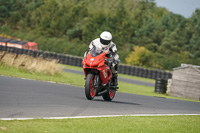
{"x":96,"y":81}
{"x":100,"y":88}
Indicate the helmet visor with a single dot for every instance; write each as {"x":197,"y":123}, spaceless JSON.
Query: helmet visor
{"x":105,"y":42}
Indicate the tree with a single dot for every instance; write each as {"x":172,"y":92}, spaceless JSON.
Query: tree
{"x":6,"y":8}
{"x":167,"y":38}
{"x":194,"y":42}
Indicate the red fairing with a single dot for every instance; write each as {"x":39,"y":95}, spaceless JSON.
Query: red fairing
{"x":104,"y":72}
{"x":98,"y":63}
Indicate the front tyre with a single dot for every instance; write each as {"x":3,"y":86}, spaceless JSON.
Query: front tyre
{"x":90,"y":91}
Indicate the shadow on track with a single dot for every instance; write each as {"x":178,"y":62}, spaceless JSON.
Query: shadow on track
{"x":117,"y":102}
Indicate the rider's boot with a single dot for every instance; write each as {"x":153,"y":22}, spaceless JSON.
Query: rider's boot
{"x":115,"y":82}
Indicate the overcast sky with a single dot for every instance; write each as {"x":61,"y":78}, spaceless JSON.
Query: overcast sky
{"x":182,"y":7}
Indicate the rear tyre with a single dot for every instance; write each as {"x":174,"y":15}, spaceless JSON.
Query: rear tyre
{"x":109,"y":95}
{"x":90,"y":91}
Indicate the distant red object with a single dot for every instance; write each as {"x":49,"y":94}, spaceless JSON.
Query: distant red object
{"x":32,"y":46}
{"x":18,"y":44}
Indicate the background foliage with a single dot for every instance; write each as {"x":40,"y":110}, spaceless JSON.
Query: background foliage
{"x":68,"y":26}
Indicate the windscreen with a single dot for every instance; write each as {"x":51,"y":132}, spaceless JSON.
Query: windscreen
{"x":95,"y":51}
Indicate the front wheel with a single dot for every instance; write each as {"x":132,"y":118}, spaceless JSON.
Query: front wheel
{"x":90,"y":91}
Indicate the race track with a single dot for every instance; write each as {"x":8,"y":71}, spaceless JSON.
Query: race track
{"x":22,"y":98}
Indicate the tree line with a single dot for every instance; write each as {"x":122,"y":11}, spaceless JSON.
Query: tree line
{"x":145,"y":35}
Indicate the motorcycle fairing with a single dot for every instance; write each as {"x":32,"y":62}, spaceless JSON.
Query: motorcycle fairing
{"x":97,"y":62}
{"x":105,"y":74}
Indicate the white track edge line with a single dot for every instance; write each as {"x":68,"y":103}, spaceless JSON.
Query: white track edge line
{"x":72,"y":117}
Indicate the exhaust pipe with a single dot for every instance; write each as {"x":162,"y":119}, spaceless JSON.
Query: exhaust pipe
{"x":102,"y":92}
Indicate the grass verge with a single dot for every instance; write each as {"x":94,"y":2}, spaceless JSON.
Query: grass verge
{"x":124,"y":124}
{"x":66,"y":78}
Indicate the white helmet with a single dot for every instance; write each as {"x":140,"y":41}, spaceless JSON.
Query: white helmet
{"x":105,"y":38}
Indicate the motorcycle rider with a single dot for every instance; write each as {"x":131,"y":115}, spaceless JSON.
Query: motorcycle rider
{"x":104,"y":43}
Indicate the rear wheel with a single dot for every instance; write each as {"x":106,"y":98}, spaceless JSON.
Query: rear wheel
{"x":110,"y":94}
{"x":90,"y":91}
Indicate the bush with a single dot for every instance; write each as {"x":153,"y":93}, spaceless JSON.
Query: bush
{"x":140,"y":57}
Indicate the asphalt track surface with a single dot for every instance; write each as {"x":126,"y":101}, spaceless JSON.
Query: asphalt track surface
{"x":23,"y":98}
{"x":119,"y":78}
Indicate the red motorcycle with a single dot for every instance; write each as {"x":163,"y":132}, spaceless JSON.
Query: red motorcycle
{"x":98,"y":75}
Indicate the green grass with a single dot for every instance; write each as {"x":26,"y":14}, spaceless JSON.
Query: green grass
{"x":124,"y":124}
{"x":65,"y":77}
{"x":73,"y":67}
{"x":78,"y":80}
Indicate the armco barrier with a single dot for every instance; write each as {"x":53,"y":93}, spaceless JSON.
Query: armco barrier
{"x":77,"y":61}
{"x":141,"y":72}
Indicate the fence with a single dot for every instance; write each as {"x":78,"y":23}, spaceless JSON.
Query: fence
{"x":77,"y":61}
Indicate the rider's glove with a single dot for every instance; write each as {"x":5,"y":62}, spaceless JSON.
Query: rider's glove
{"x":110,"y":60}
{"x":107,"y":51}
